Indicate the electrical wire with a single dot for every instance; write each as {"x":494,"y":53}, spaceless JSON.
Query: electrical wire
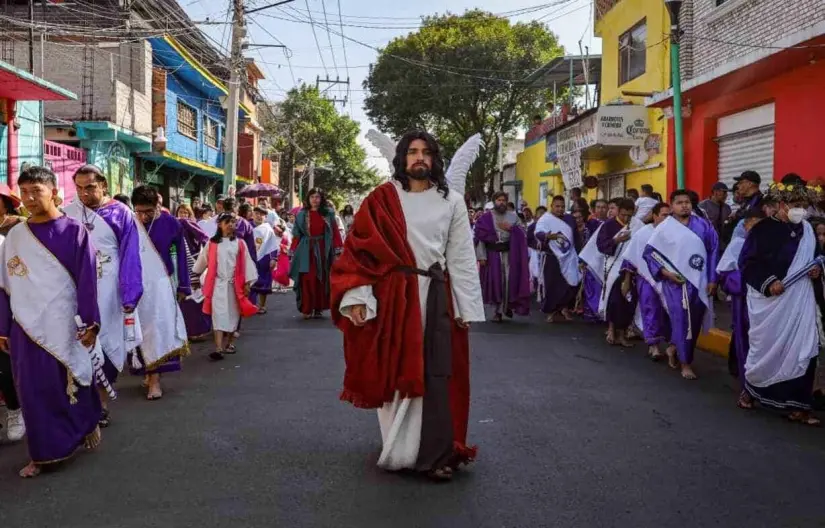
{"x":315,"y":35}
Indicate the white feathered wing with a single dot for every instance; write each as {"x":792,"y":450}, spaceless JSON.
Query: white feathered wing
{"x":383,"y":143}
{"x":461,"y":164}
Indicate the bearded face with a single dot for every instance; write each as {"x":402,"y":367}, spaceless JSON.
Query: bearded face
{"x":419,"y":160}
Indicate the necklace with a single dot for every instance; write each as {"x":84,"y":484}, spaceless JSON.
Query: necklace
{"x":89,"y":224}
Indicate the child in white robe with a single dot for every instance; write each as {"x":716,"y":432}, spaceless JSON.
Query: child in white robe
{"x":230,"y":273}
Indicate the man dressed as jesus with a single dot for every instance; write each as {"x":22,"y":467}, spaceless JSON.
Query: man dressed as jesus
{"x":404,"y":291}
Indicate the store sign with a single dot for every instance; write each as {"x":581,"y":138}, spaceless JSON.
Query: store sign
{"x":570,"y":143}
{"x":623,"y":125}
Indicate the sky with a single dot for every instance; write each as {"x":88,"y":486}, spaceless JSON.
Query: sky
{"x":366,"y":25}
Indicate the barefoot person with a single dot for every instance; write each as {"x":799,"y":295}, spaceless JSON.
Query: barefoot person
{"x":560,"y":275}
{"x":230,"y":273}
{"x":161,"y":321}
{"x":501,"y":250}
{"x":652,"y":310}
{"x":783,"y":338}
{"x":682,"y":255}
{"x":266,"y":246}
{"x":316,"y":240}
{"x":114,"y":234}
{"x":48,"y":280}
{"x":404,"y":292}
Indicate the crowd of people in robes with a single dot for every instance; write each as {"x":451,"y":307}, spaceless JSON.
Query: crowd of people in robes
{"x":103,"y":284}
{"x":655,"y":270}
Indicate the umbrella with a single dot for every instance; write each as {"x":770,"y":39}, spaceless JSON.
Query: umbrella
{"x":260,"y":190}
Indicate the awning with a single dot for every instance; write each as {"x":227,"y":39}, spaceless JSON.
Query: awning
{"x":18,"y":85}
{"x":559,"y":70}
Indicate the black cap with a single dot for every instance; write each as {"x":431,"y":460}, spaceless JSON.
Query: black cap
{"x":751,"y":176}
{"x":719,"y":186}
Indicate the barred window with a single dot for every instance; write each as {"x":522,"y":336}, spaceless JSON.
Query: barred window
{"x":633,"y":52}
{"x":211,"y":132}
{"x":187,"y":120}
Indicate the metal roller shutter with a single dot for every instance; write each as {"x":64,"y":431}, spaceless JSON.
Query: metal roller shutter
{"x":747,"y":150}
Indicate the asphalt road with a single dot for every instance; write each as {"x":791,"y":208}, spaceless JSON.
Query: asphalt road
{"x":571,"y":434}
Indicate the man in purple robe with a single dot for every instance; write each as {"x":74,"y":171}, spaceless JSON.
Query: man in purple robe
{"x":591,"y":285}
{"x":560,"y":276}
{"x":783,"y":338}
{"x":655,"y":321}
{"x":119,"y":271}
{"x":49,"y":284}
{"x":667,"y":266}
{"x":501,"y":250}
{"x":166,"y":236}
{"x":618,"y":301}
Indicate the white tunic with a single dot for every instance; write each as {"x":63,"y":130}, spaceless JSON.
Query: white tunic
{"x":225,"y":313}
{"x":438,"y":230}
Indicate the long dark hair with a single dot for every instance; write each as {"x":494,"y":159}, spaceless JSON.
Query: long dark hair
{"x":324,"y":207}
{"x":218,"y":236}
{"x":399,"y":163}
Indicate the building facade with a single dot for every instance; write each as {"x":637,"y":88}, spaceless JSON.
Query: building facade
{"x":753,"y":78}
{"x":21,"y":119}
{"x":189,"y":121}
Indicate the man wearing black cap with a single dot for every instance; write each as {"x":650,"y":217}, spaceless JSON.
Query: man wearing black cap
{"x":748,"y":186}
{"x":716,"y":209}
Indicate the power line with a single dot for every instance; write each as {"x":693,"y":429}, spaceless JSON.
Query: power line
{"x":346,"y":62}
{"x":315,"y":35}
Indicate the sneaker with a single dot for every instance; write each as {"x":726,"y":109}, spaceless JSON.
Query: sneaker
{"x":16,"y":426}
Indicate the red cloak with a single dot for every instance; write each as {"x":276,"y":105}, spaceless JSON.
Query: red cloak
{"x":387,"y":354}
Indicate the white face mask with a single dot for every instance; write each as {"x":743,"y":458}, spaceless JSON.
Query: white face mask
{"x":797,"y":215}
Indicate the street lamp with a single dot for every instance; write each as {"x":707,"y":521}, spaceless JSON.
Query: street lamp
{"x":673,"y":7}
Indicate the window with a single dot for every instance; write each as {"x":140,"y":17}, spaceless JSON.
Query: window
{"x":211,"y":133}
{"x":633,"y":52}
{"x":187,"y":120}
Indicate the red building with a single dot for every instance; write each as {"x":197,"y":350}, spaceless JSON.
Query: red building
{"x":764,"y":111}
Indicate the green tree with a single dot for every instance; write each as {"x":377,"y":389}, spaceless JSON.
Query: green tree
{"x":459,"y":75}
{"x":306,"y":128}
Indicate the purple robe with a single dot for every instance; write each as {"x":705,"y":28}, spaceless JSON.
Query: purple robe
{"x":166,"y":234}
{"x":245,"y":231}
{"x":591,"y":287}
{"x":122,"y":222}
{"x":264,"y":283}
{"x":655,"y":322}
{"x":55,"y":428}
{"x":620,"y":309}
{"x":672,"y":292}
{"x":766,"y":257}
{"x":492,"y":273}
{"x":731,"y":282}
{"x":198,"y":324}
{"x":558,"y":295}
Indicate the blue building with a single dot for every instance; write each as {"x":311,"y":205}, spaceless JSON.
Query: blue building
{"x":189,"y":124}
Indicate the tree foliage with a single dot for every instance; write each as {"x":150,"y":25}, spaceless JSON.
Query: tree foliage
{"x":458,"y":75}
{"x":305,"y":128}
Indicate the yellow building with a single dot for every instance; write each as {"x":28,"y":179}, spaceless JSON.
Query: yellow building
{"x":634,"y":63}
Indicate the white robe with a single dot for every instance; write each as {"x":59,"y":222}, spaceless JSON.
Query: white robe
{"x":438,"y":230}
{"x":225,"y":312}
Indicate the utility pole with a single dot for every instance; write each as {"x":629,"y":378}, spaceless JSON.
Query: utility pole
{"x":31,"y":37}
{"x":674,"y":6}
{"x":234,"y":102}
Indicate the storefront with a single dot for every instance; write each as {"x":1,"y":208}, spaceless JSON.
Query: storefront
{"x":766,"y":116}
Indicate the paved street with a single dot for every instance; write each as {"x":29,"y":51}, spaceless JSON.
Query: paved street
{"x":572,"y":434}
